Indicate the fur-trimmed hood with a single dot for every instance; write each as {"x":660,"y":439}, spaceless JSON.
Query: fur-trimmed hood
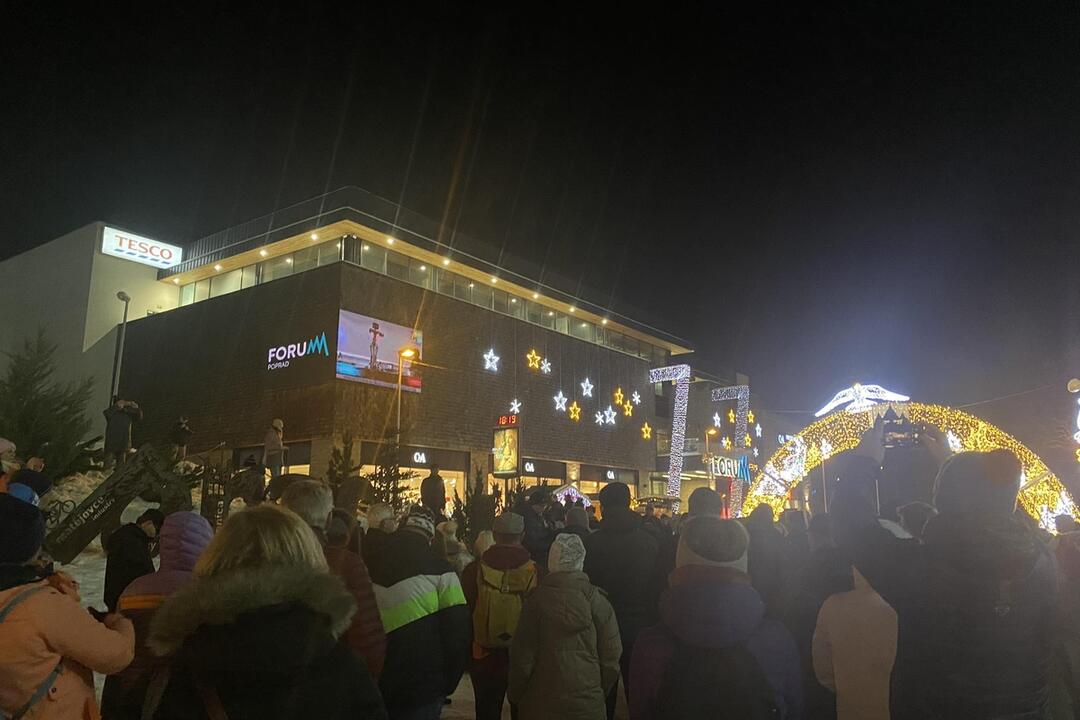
{"x":253,"y":599}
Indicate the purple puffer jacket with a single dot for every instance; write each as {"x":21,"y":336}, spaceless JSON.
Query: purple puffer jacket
{"x":714,"y":607}
{"x":184,"y":536}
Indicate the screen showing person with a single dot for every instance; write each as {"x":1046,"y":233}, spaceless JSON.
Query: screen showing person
{"x":369,"y":350}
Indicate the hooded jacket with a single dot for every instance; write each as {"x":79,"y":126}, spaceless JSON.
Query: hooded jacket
{"x":854,"y":649}
{"x":565,"y":655}
{"x":497,"y":557}
{"x":128,"y":558}
{"x":426,"y":622}
{"x":184,"y":536}
{"x":365,"y":635}
{"x":714,"y":607}
{"x":975,"y":607}
{"x":45,"y":628}
{"x":620,"y":559}
{"x":265,"y":639}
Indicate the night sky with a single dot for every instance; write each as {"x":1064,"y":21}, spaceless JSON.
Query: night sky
{"x":886,"y":192}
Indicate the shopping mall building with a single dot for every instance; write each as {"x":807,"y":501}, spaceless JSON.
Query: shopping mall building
{"x":304,"y":315}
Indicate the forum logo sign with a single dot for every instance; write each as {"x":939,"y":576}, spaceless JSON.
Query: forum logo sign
{"x":281,"y":356}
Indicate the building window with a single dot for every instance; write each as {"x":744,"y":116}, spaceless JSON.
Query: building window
{"x":547,"y":319}
{"x":420,"y":274}
{"x":663,"y":441}
{"x":373,"y":257}
{"x":249,"y":276}
{"x":583,"y":330}
{"x":306,"y":259}
{"x":202,"y":290}
{"x":187,"y":294}
{"x":562,"y":323}
{"x":397,"y":265}
{"x":444,"y":282}
{"x":329,"y":252}
{"x":483,"y":296}
{"x":275,"y":268}
{"x":225,"y":283}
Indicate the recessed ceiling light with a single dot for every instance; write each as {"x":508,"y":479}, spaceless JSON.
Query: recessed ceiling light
{"x":550,"y":313}
{"x":536,"y":295}
{"x":446,"y":261}
{"x":389,"y":241}
{"x":513,"y":300}
{"x":494,"y":279}
{"x":363,"y":248}
{"x":218,"y":268}
{"x":471,"y":284}
{"x":262,"y":253}
{"x":176,"y":281}
{"x":288,"y":261}
{"x":314,"y":236}
{"x":423,"y":268}
{"x":584,"y":324}
{"x":604,"y":321}
{"x":573,"y":309}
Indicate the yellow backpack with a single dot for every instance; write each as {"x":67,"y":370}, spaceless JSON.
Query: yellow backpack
{"x":500,"y":596}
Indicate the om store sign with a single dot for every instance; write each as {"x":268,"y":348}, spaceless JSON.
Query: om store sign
{"x":136,"y":248}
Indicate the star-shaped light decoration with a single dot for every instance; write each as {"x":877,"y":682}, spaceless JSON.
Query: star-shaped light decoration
{"x":575,"y":411}
{"x":747,"y":442}
{"x":491,"y":360}
{"x":609,"y":416}
{"x":636,"y":398}
{"x":560,"y":401}
{"x":628,"y":409}
{"x":731,"y":416}
{"x":599,"y":418}
{"x":515,"y":406}
{"x":726,"y":442}
{"x":716,"y":420}
{"x":757,"y":430}
{"x":646,"y":431}
{"x":755,"y":452}
{"x":750,"y":416}
{"x":545,"y":366}
{"x":619,"y":396}
{"x":534,"y":359}
{"x":586,"y":388}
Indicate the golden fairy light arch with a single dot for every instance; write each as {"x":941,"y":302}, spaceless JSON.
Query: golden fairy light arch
{"x":1041,"y":493}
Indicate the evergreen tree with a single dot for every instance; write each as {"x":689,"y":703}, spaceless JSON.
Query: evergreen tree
{"x":386,"y":481}
{"x":41,"y":416}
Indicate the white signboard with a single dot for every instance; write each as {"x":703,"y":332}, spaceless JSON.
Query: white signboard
{"x":136,"y":248}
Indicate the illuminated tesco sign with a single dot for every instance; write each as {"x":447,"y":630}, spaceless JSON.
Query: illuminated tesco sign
{"x":129,"y":246}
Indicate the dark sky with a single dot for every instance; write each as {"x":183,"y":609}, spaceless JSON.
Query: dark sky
{"x":887,"y":192}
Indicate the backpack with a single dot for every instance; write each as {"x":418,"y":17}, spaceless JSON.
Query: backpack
{"x":714,"y":683}
{"x":500,"y":596}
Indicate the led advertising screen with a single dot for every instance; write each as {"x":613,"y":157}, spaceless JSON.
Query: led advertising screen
{"x":505,"y":451}
{"x":367,"y":351}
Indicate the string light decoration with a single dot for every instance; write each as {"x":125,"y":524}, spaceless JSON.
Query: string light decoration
{"x":491,"y":360}
{"x":534,"y":359}
{"x":618,"y":396}
{"x":680,"y":375}
{"x":545,"y":366}
{"x":599,"y":418}
{"x":747,"y":441}
{"x":560,"y":401}
{"x":756,"y":453}
{"x":636,"y":399}
{"x":628,"y":409}
{"x":860,"y":397}
{"x":515,"y":406}
{"x":731,"y":416}
{"x":571,"y":492}
{"x":609,"y":416}
{"x":646,"y":431}
{"x":716,"y":421}
{"x":726,"y":442}
{"x":749,"y":416}
{"x":575,"y":411}
{"x":1040,"y":492}
{"x":741,"y":394}
{"x":757,"y":429}
{"x":586,"y":388}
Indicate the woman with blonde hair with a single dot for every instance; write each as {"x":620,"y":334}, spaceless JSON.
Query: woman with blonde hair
{"x":256,"y":634}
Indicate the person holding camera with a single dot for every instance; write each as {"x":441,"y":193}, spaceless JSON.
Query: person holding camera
{"x":119,"y":417}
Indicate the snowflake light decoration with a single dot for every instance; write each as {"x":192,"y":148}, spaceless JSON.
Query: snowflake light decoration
{"x":599,"y":418}
{"x":515,"y":406}
{"x":636,"y":398}
{"x":491,"y":360}
{"x":586,"y":388}
{"x":954,"y":442}
{"x":545,"y":366}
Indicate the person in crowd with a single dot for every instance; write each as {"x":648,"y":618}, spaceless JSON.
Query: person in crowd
{"x":313,"y":501}
{"x":914,"y":516}
{"x":36,"y":480}
{"x":771,"y":571}
{"x":826,"y":572}
{"x":49,"y":645}
{"x":433,"y":493}
{"x":129,"y":556}
{"x":255,"y":635}
{"x":538,"y":533}
{"x":1065,"y":680}
{"x":450,"y":548}
{"x":484,"y":540}
{"x":564,"y":658}
{"x":621,"y":560}
{"x":854,"y":647}
{"x":975,"y":602}
{"x":703,"y":502}
{"x":344,"y":531}
{"x":180,"y":435}
{"x":273,"y":458}
{"x":793,"y":522}
{"x":119,"y":417}
{"x":381,"y":524}
{"x":594,"y":521}
{"x":496,"y":586}
{"x":715,"y":653}
{"x":577,"y":523}
{"x":426,"y":621}
{"x":184,"y":536}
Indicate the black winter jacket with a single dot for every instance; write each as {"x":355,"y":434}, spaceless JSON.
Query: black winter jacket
{"x":620,"y":559}
{"x":266,"y":641}
{"x":426,"y":621}
{"x":128,"y":558}
{"x":975,"y":607}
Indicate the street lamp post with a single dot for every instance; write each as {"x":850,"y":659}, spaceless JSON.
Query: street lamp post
{"x":405,"y":353}
{"x":124,"y":298}
{"x":711,"y":432}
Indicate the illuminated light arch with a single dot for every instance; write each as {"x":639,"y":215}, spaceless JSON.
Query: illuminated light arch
{"x":1041,"y":493}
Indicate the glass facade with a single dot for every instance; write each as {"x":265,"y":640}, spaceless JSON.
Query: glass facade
{"x":415,"y":272}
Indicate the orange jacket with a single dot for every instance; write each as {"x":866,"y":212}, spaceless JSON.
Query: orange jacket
{"x":43,"y":629}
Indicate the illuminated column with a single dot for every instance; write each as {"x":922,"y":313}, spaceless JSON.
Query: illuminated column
{"x":680,"y":375}
{"x":741,"y":393}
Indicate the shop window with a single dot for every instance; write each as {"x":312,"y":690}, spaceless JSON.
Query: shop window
{"x":225,"y":283}
{"x":663,"y":441}
{"x":397,"y":265}
{"x":275,"y":268}
{"x":306,"y":259}
{"x":187,"y":294}
{"x":202,"y":290}
{"x":249,"y":276}
{"x":373,"y":257}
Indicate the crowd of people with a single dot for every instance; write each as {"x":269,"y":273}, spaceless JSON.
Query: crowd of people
{"x":963,"y":609}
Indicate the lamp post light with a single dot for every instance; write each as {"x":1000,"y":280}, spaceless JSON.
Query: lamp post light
{"x":405,"y":353}
{"x":711,"y":432}
{"x":124,"y":298}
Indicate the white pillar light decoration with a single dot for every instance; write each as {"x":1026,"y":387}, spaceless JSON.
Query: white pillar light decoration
{"x":680,"y":375}
{"x":741,"y":394}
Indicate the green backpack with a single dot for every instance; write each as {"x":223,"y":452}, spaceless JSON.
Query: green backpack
{"x":500,"y":596}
